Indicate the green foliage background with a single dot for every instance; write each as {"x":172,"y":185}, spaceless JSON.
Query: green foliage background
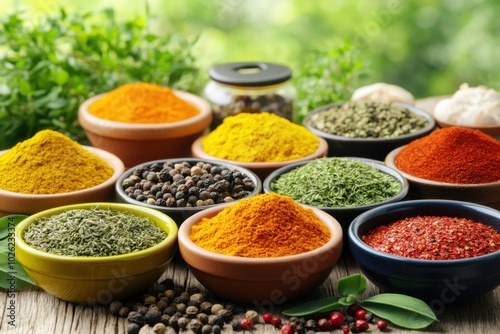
{"x":428,"y":47}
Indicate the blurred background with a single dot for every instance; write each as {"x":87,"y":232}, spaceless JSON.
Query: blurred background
{"x":428,"y":47}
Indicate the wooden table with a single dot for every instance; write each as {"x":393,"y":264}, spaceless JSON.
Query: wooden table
{"x":38,"y":312}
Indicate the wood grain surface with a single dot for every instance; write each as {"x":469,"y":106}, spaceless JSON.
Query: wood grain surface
{"x":37,"y":312}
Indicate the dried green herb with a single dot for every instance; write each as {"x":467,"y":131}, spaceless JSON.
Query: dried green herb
{"x":93,"y":232}
{"x":367,"y":119}
{"x":337,"y":182}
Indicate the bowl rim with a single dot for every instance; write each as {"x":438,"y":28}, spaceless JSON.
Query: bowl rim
{"x":121,"y":192}
{"x":169,"y":226}
{"x":390,"y":161}
{"x":416,"y":110}
{"x":111,"y":160}
{"x":354,"y":239}
{"x":188,"y":97}
{"x":322,"y":150}
{"x":378,"y":164}
{"x":184,"y":241}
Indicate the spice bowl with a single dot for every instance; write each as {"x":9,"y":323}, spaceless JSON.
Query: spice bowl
{"x":343,"y":214}
{"x":261,"y":169}
{"x":236,"y":178}
{"x":97,"y":279}
{"x":20,"y":203}
{"x":135,"y":143}
{"x":372,"y":148}
{"x":438,"y":282}
{"x":269,"y":280}
{"x":480,"y":193}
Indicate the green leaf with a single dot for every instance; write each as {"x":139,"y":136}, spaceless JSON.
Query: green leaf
{"x":353,"y":285}
{"x":313,"y":307}
{"x":25,"y":87}
{"x":12,"y":274}
{"x":401,"y":310}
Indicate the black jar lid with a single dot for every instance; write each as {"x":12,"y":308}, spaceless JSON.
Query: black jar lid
{"x":250,"y":73}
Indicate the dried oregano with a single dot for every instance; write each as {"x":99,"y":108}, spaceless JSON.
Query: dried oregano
{"x":93,"y":232}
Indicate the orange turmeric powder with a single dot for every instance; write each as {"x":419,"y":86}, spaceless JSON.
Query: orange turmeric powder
{"x":266,"y":225}
{"x":142,"y":103}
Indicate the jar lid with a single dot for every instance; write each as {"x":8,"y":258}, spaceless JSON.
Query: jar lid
{"x":250,"y":73}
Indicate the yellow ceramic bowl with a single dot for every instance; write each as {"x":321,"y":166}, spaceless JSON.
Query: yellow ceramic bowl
{"x":98,"y":280}
{"x":17,"y":203}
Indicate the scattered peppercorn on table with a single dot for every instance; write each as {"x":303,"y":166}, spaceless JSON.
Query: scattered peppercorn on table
{"x":35,"y":311}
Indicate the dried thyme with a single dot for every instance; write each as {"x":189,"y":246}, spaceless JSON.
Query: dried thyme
{"x":337,"y":182}
{"x":367,"y":119}
{"x":93,"y":232}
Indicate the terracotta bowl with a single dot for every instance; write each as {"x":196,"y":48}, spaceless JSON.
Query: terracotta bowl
{"x":17,"y":203}
{"x":261,"y":169}
{"x":179,"y":214}
{"x":371,"y":148}
{"x":344,"y":214}
{"x":260,"y":280}
{"x":483,"y":193}
{"x":98,"y":280}
{"x":439,"y":282}
{"x":136,"y":143}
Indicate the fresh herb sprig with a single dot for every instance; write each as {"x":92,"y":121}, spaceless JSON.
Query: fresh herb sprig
{"x":327,"y":75}
{"x":401,"y":310}
{"x":50,"y":64}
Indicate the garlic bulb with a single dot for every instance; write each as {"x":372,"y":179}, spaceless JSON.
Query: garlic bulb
{"x":383,"y":92}
{"x":470,"y":106}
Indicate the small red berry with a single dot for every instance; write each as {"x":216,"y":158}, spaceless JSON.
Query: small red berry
{"x":361,"y":314}
{"x":382,"y":325}
{"x":276,"y":321}
{"x":336,"y":319}
{"x":287,"y":329}
{"x":324,"y":324}
{"x":345,"y":330}
{"x":266,"y":317}
{"x":246,"y":323}
{"x":352,"y":309}
{"x":362,"y":325}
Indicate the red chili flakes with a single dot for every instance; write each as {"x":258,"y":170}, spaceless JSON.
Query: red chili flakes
{"x":434,"y":238}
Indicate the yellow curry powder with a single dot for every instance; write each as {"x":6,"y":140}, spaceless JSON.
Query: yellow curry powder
{"x":51,"y":163}
{"x":142,"y":103}
{"x":260,"y":137}
{"x":266,"y":225}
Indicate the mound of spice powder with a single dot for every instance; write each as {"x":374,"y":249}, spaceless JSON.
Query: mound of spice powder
{"x":143,"y":103}
{"x":266,"y":225}
{"x":51,"y":163}
{"x":452,"y":155}
{"x":260,"y":137}
{"x":434,"y":238}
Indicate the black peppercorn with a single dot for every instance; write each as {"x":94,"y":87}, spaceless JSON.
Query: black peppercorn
{"x":152,"y":317}
{"x":195,"y":325}
{"x":115,"y":307}
{"x":206,"y":329}
{"x":202,"y":317}
{"x":137,"y":318}
{"x":124,"y":311}
{"x":216,"y":329}
{"x":133,"y":328}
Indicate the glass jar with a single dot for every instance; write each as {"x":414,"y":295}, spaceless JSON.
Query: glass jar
{"x":249,"y":87}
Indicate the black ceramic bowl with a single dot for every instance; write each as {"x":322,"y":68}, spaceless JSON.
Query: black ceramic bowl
{"x":344,"y":215}
{"x":439,"y":282}
{"x":372,"y":148}
{"x":179,"y":214}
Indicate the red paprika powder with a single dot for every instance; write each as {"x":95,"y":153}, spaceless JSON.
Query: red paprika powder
{"x":452,"y":155}
{"x":434,"y":238}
